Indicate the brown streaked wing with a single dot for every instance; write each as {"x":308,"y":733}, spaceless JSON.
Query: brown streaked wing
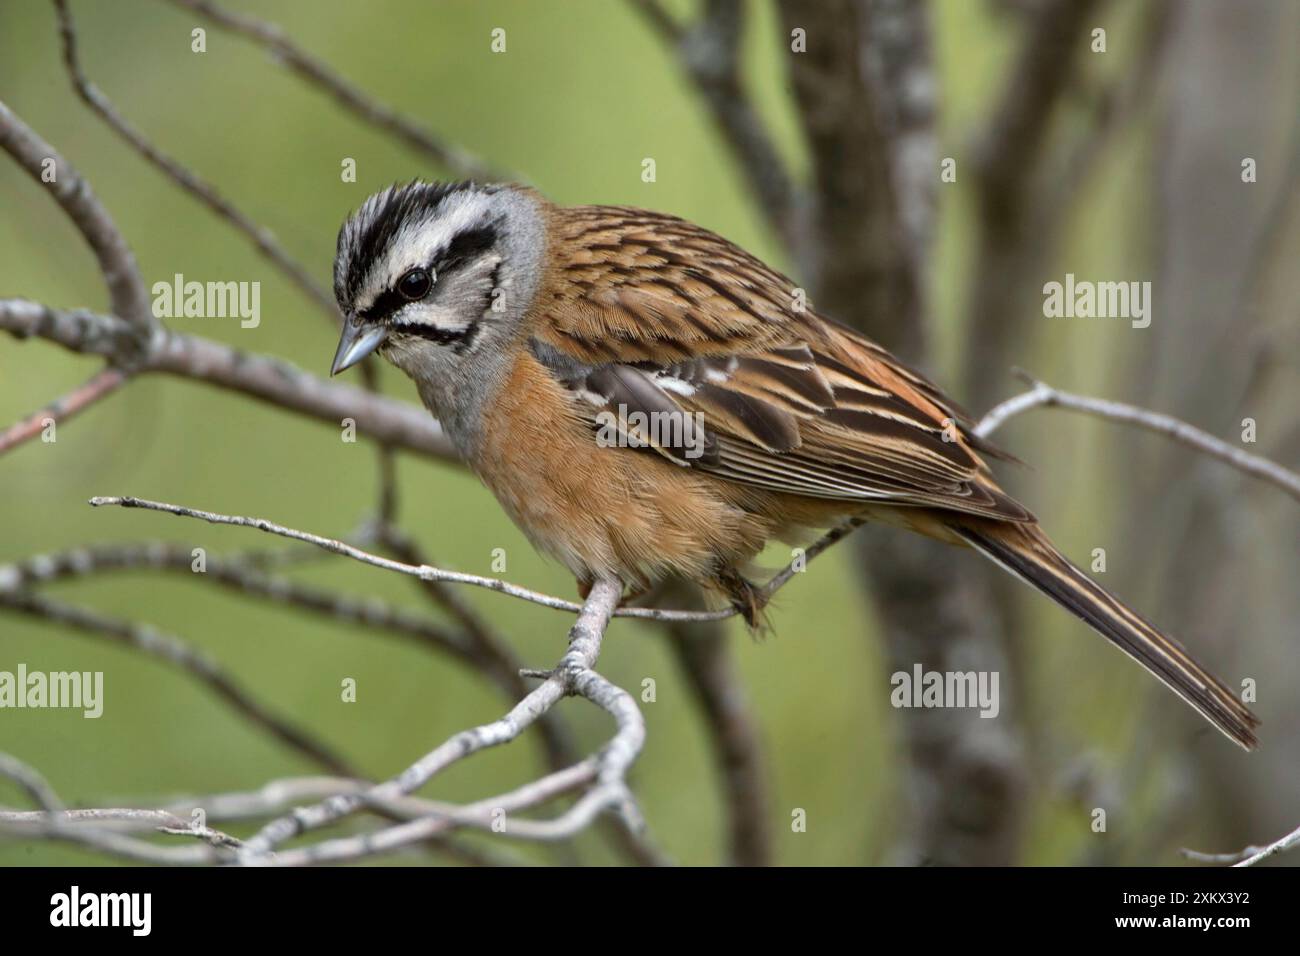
{"x":795,"y":403}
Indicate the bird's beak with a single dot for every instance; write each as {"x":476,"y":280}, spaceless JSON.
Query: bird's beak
{"x":358,"y":340}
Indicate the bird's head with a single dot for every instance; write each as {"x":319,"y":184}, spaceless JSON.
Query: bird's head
{"x":431,"y":274}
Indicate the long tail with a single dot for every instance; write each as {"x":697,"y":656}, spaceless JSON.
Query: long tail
{"x":1025,"y":551}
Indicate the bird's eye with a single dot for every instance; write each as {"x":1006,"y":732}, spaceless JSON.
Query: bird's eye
{"x":415,"y":284}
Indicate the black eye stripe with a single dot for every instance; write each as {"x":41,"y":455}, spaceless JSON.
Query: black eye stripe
{"x":388,"y":302}
{"x":464,"y":248}
{"x":433,"y":333}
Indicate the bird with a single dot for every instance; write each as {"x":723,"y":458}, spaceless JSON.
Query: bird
{"x":647,"y":400}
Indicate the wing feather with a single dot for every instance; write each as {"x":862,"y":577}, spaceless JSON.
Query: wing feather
{"x":661,"y":316}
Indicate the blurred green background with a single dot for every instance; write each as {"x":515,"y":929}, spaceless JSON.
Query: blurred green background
{"x":583,"y":94}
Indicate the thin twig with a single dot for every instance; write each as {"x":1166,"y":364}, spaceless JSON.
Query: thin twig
{"x":1251,"y":854}
{"x":428,"y":573}
{"x":237,"y":575}
{"x":708,"y":51}
{"x":494,"y":653}
{"x":205,"y":192}
{"x":177,"y":653}
{"x":1042,"y":394}
{"x":1288,"y":842}
{"x":178,"y":816}
{"x":604,"y":774}
{"x":102,"y":384}
{"x":128,"y":297}
{"x":320,"y":74}
{"x":573,"y":675}
{"x":262,"y":377}
{"x":31,"y":781}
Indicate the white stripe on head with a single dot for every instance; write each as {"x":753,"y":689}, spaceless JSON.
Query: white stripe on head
{"x":421,"y":238}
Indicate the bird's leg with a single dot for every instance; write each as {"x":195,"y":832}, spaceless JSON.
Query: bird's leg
{"x":745,"y":596}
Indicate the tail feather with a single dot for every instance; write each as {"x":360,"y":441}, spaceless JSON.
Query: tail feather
{"x":1026,"y":552}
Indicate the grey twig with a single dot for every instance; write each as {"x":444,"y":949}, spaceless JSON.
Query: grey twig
{"x":31,"y":781}
{"x":709,"y":53}
{"x":128,"y":297}
{"x":1008,"y":164}
{"x":603,"y":775}
{"x":102,"y":383}
{"x":197,"y":187}
{"x":1042,"y":394}
{"x":262,"y":377}
{"x":177,"y":653}
{"x":179,"y":817}
{"x":321,"y":75}
{"x":237,"y":575}
{"x":1251,"y":854}
{"x":428,"y":573}
{"x":494,"y":654}
{"x":572,"y":676}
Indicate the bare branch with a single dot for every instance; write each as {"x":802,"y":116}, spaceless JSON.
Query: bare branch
{"x":31,"y":781}
{"x":258,"y":376}
{"x":128,"y":297}
{"x":178,"y":818}
{"x":319,"y":74}
{"x":604,"y":776}
{"x":709,"y":53}
{"x":172,"y":650}
{"x":1251,"y":854}
{"x":1041,"y":72}
{"x":205,"y":192}
{"x":858,"y":259}
{"x":573,"y":675}
{"x":428,"y":573}
{"x":237,"y":575}
{"x":1113,"y":109}
{"x":1042,"y":394}
{"x":494,"y":660}
{"x":102,"y":384}
{"x":1288,"y":842}
{"x":494,"y":653}
{"x":133,"y":341}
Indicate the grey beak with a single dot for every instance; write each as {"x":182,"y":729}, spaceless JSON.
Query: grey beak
{"x":357,"y":341}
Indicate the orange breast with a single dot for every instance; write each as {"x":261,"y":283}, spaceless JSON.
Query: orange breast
{"x":606,"y":510}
